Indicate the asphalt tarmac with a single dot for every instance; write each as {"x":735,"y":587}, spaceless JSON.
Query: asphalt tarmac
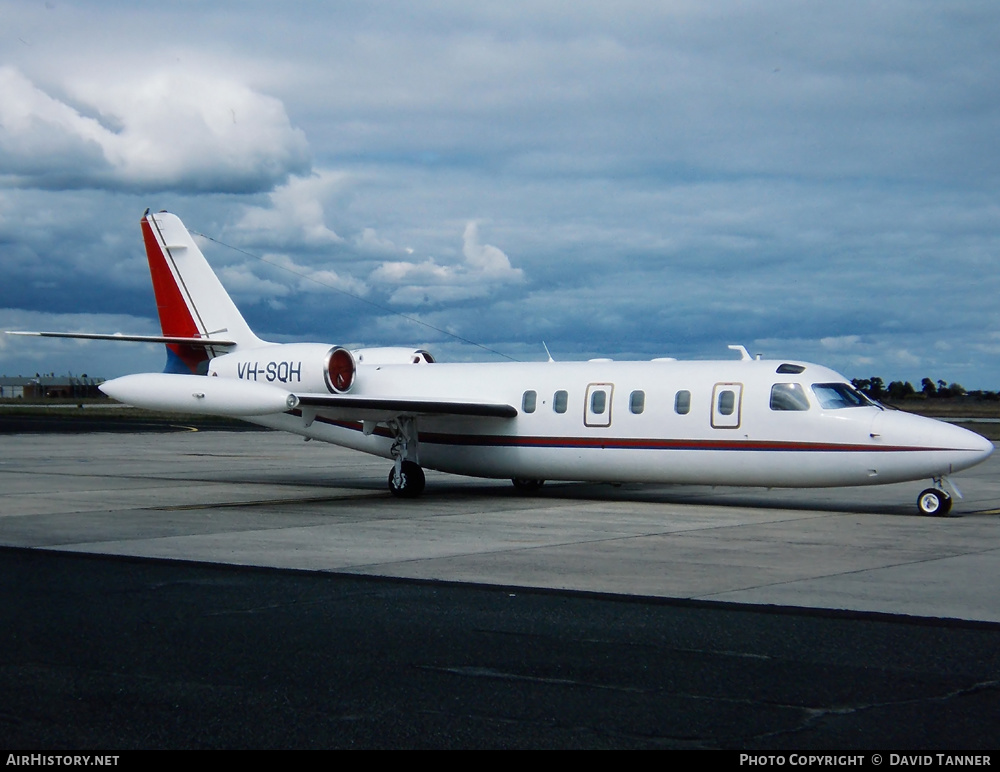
{"x":248,"y":590}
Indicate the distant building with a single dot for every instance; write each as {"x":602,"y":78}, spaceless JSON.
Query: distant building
{"x":49,"y":386}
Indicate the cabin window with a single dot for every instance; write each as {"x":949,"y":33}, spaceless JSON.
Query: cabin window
{"x":727,"y":402}
{"x":528,"y":401}
{"x":598,"y":402}
{"x":833,"y":396}
{"x":788,"y":396}
{"x":559,"y":401}
{"x":637,"y":402}
{"x":682,"y":402}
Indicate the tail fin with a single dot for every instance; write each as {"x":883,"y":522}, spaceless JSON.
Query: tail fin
{"x":190,"y":299}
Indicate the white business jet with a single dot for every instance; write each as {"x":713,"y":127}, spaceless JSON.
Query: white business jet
{"x":741,"y":421}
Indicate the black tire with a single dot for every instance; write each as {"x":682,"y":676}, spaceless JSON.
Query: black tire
{"x":413,"y":481}
{"x":524,"y":485}
{"x":934,"y":503}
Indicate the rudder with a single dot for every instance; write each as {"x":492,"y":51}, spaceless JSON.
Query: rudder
{"x":190,"y":299}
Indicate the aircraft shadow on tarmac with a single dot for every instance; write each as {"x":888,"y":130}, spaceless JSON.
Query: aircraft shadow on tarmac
{"x":692,"y":496}
{"x":443,"y":490}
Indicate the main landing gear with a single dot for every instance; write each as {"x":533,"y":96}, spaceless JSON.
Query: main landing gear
{"x":408,"y":482}
{"x":406,"y":479}
{"x":524,"y":485}
{"x":935,"y":501}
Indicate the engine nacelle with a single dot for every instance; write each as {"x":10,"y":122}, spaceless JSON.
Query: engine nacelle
{"x":297,"y":367}
{"x":392,"y":355}
{"x":340,"y":370}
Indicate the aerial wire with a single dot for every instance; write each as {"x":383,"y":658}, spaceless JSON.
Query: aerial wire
{"x":371,"y":303}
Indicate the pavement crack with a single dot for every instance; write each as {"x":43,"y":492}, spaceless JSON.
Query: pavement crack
{"x":814,"y":716}
{"x":485,"y":672}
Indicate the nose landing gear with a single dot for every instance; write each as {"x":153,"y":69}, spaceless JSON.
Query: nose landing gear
{"x":935,"y":501}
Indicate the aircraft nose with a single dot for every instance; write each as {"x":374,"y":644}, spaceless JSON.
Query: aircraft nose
{"x":961,"y":447}
{"x":953,"y":437}
{"x":980,"y":449}
{"x":985,"y":446}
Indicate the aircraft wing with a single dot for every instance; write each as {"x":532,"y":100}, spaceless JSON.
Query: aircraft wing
{"x":206,"y":342}
{"x":229,"y":396}
{"x":359,"y":408}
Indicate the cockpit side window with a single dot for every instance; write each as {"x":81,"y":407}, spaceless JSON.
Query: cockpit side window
{"x":789,"y":396}
{"x":834,"y":396}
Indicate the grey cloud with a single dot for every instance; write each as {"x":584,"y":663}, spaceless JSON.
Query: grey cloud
{"x":670,"y":177}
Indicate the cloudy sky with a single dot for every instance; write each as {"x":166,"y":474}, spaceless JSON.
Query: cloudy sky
{"x":817,"y":181}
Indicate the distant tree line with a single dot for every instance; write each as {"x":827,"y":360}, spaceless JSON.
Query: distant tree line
{"x":875,"y":388}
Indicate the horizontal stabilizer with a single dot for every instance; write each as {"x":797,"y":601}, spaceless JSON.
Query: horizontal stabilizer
{"x":205,"y":342}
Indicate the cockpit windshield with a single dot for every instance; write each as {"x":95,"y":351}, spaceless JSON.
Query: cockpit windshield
{"x":833,"y":396}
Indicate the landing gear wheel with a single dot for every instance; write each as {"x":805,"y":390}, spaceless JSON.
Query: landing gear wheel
{"x":523,"y":485}
{"x":411,"y":483}
{"x":934,"y":502}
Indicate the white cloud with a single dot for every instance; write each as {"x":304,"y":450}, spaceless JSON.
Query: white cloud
{"x":488,"y":260}
{"x":484,"y":268}
{"x":841,"y":343}
{"x":370,"y":242}
{"x":317,"y":280}
{"x":904,"y":358}
{"x":296,"y":212}
{"x":246,"y":286}
{"x":164,"y":130}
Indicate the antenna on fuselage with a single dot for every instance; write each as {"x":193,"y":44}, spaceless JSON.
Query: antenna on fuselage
{"x":547,"y":352}
{"x":744,"y":354}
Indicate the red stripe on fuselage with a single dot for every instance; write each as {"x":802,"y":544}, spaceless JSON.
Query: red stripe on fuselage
{"x":639,"y":443}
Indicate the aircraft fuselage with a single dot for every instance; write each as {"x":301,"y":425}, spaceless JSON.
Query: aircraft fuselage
{"x":711,"y":422}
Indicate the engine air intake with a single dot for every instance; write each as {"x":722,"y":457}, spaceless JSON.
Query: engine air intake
{"x":340,"y":370}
